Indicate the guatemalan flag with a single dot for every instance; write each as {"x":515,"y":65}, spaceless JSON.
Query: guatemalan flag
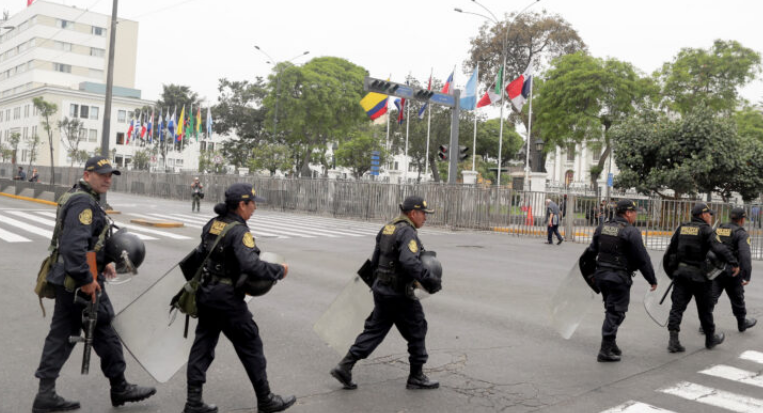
{"x":519,"y":89}
{"x":446,"y":88}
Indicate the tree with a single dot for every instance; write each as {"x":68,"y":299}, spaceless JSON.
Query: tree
{"x":273,"y":157}
{"x":72,"y":132}
{"x":14,"y":141}
{"x":46,"y":110}
{"x":583,"y":97}
{"x":711,"y":77}
{"x":140,"y":160}
{"x":32,"y":142}
{"x":749,"y":123}
{"x":239,"y":114}
{"x":173,"y":98}
{"x":355,"y":153}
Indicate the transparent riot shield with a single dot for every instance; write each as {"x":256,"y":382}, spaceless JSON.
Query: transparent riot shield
{"x":572,"y":300}
{"x":344,"y":319}
{"x":657,"y":303}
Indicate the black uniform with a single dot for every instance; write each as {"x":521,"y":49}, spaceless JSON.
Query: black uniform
{"x":397,"y":259}
{"x":221,"y":306}
{"x":621,"y":251}
{"x":197,"y":190}
{"x":690,"y":244}
{"x":738,"y":241}
{"x":83,"y":222}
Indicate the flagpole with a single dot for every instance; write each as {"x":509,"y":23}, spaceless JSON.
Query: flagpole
{"x":407,"y":128}
{"x":529,"y":135}
{"x":474,"y":144}
{"x":429,"y":124}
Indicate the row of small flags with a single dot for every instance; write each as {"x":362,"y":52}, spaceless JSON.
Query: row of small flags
{"x":518,"y":90}
{"x":176,"y":129}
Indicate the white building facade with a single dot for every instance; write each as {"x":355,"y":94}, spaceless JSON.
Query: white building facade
{"x":570,"y":167}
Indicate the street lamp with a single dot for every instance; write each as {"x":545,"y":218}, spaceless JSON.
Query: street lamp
{"x":275,"y":64}
{"x":495,"y":21}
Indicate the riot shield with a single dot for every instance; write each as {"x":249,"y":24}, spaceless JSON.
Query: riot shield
{"x":657,"y":303}
{"x":345,"y":317}
{"x":570,"y":303}
{"x":146,"y":331}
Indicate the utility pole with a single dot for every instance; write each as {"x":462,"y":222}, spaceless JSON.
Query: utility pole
{"x":106,"y":133}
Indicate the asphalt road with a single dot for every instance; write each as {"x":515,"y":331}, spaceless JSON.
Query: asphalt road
{"x":490,"y":338}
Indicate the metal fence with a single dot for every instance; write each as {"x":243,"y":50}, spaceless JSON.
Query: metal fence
{"x":503,"y":210}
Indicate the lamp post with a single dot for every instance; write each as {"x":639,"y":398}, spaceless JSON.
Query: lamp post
{"x":275,"y":64}
{"x":495,"y":20}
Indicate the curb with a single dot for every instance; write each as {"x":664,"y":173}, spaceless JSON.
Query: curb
{"x":112,"y":212}
{"x":26,"y":198}
{"x":158,"y":224}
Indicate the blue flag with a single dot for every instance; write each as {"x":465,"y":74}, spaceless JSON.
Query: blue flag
{"x":469,"y":99}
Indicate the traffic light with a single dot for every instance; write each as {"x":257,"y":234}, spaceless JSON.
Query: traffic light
{"x":382,"y":86}
{"x":443,"y":155}
{"x":463,"y":153}
{"x":423,"y":94}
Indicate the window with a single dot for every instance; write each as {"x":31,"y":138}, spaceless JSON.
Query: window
{"x":17,"y":113}
{"x":73,"y":110}
{"x":64,"y":24}
{"x":596,"y":151}
{"x":34,"y":131}
{"x":571,"y":152}
{"x":25,"y":133}
{"x":67,"y":47}
{"x":94,"y":112}
{"x":60,"y":67}
{"x":131,"y":115}
{"x":211,"y":146}
{"x":26,"y":111}
{"x":92,"y":135}
{"x":396,"y":166}
{"x":120,"y":138}
{"x":7,"y":114}
{"x":99,"y":31}
{"x":203,"y":146}
{"x":84,"y":111}
{"x":1,"y":115}
{"x":34,"y":110}
{"x":121,"y":116}
{"x":96,"y":52}
{"x":24,"y":155}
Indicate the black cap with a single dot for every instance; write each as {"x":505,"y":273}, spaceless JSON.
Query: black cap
{"x":737,"y":213}
{"x":625,"y":205}
{"x":241,"y":192}
{"x":101,"y":165}
{"x":415,"y":202}
{"x":700,"y":208}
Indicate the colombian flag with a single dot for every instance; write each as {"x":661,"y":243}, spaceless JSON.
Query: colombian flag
{"x":375,"y":104}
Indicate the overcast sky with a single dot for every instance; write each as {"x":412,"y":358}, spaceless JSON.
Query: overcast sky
{"x":197,"y":42}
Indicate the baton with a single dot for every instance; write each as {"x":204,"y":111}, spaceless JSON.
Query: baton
{"x":664,"y":296}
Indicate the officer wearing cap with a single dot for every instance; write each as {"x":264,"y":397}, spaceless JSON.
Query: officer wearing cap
{"x":82,"y":226}
{"x":197,"y":193}
{"x":734,"y":236}
{"x":221,"y":305}
{"x":684,"y":262}
{"x":397,"y":262}
{"x":620,"y":251}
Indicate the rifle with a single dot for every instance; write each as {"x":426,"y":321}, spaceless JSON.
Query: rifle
{"x":89,"y":315}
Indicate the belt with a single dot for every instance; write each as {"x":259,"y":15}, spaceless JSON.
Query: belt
{"x":220,"y":280}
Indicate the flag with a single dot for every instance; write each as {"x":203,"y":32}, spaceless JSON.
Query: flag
{"x":150,"y":128}
{"x":198,"y":124}
{"x":375,"y":104}
{"x":129,"y":130}
{"x":424,"y":106}
{"x":493,"y":94}
{"x":519,"y":89}
{"x":171,"y":124}
{"x":191,"y":126}
{"x":181,"y":125}
{"x":446,"y":88}
{"x":29,"y":2}
{"x":469,"y":100}
{"x":161,"y":126}
{"x":209,"y":122}
{"x":400,"y":104}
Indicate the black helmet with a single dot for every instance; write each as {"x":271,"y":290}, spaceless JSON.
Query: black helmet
{"x":126,"y":250}
{"x":256,"y":287}
{"x":430,"y":262}
{"x":713,"y":265}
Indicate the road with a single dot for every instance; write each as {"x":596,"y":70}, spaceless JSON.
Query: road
{"x":490,"y":339}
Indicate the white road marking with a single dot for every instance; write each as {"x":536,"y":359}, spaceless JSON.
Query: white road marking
{"x":636,"y":407}
{"x":714,"y":397}
{"x":753,"y":378}
{"x":48,"y":222}
{"x":11,"y":237}
{"x":135,"y":228}
{"x":316,"y":230}
{"x":26,"y":227}
{"x":755,"y":356}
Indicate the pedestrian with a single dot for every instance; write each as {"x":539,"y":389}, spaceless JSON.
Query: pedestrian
{"x":84,"y":226}
{"x":620,"y":251}
{"x":685,"y":264}
{"x":197,"y":194}
{"x":20,"y":174}
{"x":35,"y":176}
{"x":397,"y":262}
{"x":755,"y":215}
{"x":734,"y":236}
{"x":221,"y":305}
{"x":552,"y":219}
{"x":602,"y":212}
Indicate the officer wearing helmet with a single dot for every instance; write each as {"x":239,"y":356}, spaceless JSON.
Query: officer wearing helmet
{"x":734,"y":236}
{"x":619,"y":251}
{"x":82,"y":226}
{"x":197,"y":194}
{"x":685,"y":263}
{"x":397,"y":262}
{"x":221,"y":305}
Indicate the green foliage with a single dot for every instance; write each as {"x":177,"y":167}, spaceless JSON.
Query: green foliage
{"x":273,"y":157}
{"x":176,"y":97}
{"x":46,"y":110}
{"x":711,"y":77}
{"x":32,"y":142}
{"x":239,"y":112}
{"x":749,"y":123}
{"x":14,"y":141}
{"x":72,"y":133}
{"x":207,"y":162}
{"x":355,"y":153}
{"x":140,"y":160}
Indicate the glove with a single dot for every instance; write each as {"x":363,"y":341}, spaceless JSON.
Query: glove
{"x":432,"y":285}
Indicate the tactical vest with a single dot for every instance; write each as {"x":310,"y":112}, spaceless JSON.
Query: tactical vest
{"x":612,"y":246}
{"x":221,"y":263}
{"x":61,"y":213}
{"x":388,"y":271}
{"x":690,"y":244}
{"x":726,"y":234}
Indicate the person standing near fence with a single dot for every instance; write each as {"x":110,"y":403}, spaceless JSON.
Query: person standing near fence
{"x":197,"y":194}
{"x":734,"y":236}
{"x":553,"y":215}
{"x":35,"y":176}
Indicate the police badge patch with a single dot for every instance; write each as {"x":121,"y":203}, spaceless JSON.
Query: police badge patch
{"x":248,"y":240}
{"x":389,"y":229}
{"x":86,"y":217}
{"x":413,"y":246}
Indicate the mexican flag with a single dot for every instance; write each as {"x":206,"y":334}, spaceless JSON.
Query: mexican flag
{"x":492,"y":95}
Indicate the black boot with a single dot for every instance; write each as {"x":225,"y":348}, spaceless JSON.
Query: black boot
{"x":744,"y":323}
{"x":47,"y":401}
{"x":123,"y":392}
{"x":712,"y":340}
{"x":195,"y":403}
{"x":417,"y":380}
{"x":605,"y":352}
{"x":343,"y":371}
{"x":674,"y":346}
{"x":274,"y":403}
{"x":616,"y":350}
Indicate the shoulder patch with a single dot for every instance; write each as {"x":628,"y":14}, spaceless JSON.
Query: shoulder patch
{"x":86,"y":217}
{"x":217,"y":227}
{"x":413,"y":246}
{"x":248,"y":240}
{"x":749,"y":240}
{"x":389,"y":229}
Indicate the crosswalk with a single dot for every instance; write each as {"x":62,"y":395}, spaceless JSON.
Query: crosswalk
{"x":749,"y":377}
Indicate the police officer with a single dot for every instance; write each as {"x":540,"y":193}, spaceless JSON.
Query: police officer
{"x":734,"y":236}
{"x":221,"y":305}
{"x":197,"y":192}
{"x":84,"y":228}
{"x":397,"y":262}
{"x":621,"y":251}
{"x":685,"y":264}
